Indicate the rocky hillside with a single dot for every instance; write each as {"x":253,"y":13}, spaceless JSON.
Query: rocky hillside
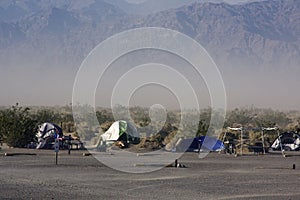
{"x":146,"y":7}
{"x":265,"y":33}
{"x":61,"y":33}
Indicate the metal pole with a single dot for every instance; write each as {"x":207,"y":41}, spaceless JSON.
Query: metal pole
{"x":241,"y":142}
{"x":224,"y":136}
{"x":56,"y":156}
{"x":279,"y":138}
{"x":69,"y":145}
{"x":241,"y":139}
{"x":263,"y":140}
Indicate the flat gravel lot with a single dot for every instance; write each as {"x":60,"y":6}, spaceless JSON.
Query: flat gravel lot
{"x":218,"y":176}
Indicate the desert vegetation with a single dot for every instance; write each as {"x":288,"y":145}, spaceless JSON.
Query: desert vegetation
{"x":18,"y":124}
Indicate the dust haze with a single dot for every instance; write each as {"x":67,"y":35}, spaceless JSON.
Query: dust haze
{"x":265,"y":87}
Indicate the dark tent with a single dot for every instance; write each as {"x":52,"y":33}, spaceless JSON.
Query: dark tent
{"x":289,"y":141}
{"x":47,"y":133}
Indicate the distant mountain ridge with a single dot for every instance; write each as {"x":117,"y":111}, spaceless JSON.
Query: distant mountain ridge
{"x":152,"y":6}
{"x":256,"y":33}
{"x":62,"y":33}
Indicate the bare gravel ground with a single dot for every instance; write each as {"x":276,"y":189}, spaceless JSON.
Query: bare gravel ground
{"x":218,"y":176}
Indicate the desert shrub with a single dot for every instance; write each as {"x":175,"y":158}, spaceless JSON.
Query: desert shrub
{"x":238,"y":116}
{"x":104,"y":116}
{"x":273,"y":118}
{"x":17,"y":126}
{"x":61,"y":118}
{"x":46,"y":115}
{"x":2,"y":119}
{"x":202,"y":128}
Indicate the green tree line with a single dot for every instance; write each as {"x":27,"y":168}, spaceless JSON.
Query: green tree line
{"x":18,"y":125}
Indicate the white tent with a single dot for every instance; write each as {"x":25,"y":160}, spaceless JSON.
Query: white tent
{"x":120,"y":130}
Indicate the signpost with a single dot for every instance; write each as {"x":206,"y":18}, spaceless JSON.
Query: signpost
{"x":56,"y":149}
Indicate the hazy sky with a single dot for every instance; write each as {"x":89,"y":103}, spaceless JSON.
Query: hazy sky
{"x":276,"y":88}
{"x":30,"y":85}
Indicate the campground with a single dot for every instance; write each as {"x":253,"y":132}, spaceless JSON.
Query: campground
{"x":32,"y":174}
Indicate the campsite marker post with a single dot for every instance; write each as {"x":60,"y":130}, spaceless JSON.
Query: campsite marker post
{"x":56,"y":149}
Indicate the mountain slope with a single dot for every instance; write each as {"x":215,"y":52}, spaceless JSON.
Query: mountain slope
{"x":260,"y":33}
{"x":147,"y":7}
{"x":255,"y":33}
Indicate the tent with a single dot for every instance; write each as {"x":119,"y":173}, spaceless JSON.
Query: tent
{"x":120,"y":131}
{"x":210,"y":143}
{"x":202,"y":142}
{"x":288,"y":141}
{"x":47,"y":132}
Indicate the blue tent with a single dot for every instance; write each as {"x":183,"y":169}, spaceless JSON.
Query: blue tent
{"x":210,"y":143}
{"x":202,"y":142}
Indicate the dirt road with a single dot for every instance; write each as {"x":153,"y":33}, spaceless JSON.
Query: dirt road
{"x":32,"y":174}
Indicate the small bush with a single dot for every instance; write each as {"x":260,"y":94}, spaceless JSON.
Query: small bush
{"x":17,"y":127}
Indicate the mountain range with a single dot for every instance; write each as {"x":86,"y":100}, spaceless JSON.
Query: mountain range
{"x":259,"y":33}
{"x":59,"y":34}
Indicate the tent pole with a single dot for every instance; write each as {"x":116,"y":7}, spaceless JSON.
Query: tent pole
{"x":224,"y":136}
{"x":241,"y":141}
{"x":279,"y":138}
{"x":263,"y":141}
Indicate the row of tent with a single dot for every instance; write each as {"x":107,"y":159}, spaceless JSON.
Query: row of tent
{"x":127,"y":132}
{"x":122,"y":130}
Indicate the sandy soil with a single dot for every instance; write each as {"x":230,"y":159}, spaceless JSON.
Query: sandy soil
{"x":32,"y":174}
